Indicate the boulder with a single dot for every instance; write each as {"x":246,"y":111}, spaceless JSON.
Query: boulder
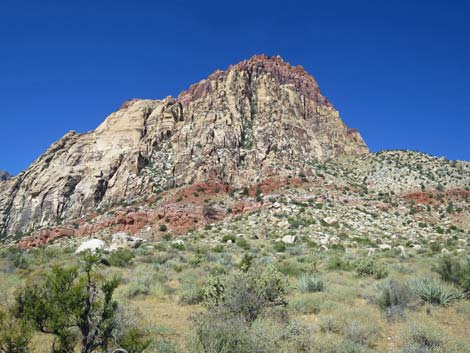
{"x":93,"y":245}
{"x":123,"y":240}
{"x":330,"y":220}
{"x":289,"y":239}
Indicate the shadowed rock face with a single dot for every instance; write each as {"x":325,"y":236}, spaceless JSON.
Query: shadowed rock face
{"x":4,"y":175}
{"x":259,"y":118}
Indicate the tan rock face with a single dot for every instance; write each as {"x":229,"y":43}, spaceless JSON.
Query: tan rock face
{"x":260,"y":118}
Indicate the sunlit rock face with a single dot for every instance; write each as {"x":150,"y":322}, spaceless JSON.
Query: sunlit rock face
{"x":259,"y":118}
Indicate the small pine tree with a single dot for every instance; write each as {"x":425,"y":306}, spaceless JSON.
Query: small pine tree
{"x":71,"y":300}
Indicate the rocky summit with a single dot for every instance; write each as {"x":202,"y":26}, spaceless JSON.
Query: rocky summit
{"x":259,"y":119}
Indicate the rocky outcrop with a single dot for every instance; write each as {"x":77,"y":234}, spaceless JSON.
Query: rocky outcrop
{"x":257,"y":119}
{"x":4,"y":175}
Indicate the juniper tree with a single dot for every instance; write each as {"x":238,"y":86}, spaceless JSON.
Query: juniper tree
{"x":74,"y":304}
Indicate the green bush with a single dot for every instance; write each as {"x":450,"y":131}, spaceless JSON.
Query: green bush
{"x":338,"y":263}
{"x":279,"y":246}
{"x":15,"y":334}
{"x":216,"y":332}
{"x":121,"y":258}
{"x":242,"y":243}
{"x":307,"y":283}
{"x":433,"y":291}
{"x":134,"y":341}
{"x":371,"y":267}
{"x":228,"y":237}
{"x":247,"y":294}
{"x":454,"y":271}
{"x":246,"y":262}
{"x":73,"y":305}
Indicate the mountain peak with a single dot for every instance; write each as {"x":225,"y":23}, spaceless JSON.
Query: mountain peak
{"x":257,"y":120}
{"x":260,"y":64}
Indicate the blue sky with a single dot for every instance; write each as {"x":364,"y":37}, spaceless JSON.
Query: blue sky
{"x":399,"y":71}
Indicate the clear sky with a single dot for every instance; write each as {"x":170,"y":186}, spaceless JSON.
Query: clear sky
{"x":399,"y":71}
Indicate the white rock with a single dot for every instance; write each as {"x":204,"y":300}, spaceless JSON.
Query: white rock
{"x":93,"y":245}
{"x":400,"y":249}
{"x":289,"y":239}
{"x":384,"y":247}
{"x":330,"y":220}
{"x":123,"y":240}
{"x":324,"y":241}
{"x":181,"y":242}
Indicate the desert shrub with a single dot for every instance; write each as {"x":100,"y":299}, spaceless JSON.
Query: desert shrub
{"x":134,"y":340}
{"x":247,"y":294}
{"x":433,"y":291}
{"x":228,"y":237}
{"x":121,"y":258}
{"x":291,"y":267}
{"x":338,"y":263}
{"x":15,"y":334}
{"x":393,"y":297}
{"x":17,"y":259}
{"x":191,"y":295}
{"x":402,"y":268}
{"x":371,"y":267}
{"x":144,"y":281}
{"x":162,"y":346}
{"x":308,"y":304}
{"x":448,"y":269}
{"x":246,"y":262}
{"x":271,"y":336}
{"x":242,"y":243}
{"x":422,"y":338}
{"x":356,"y":324}
{"x":218,"y":331}
{"x":279,"y":246}
{"x":332,"y":344}
{"x":454,"y":271}
{"x":307,"y":283}
{"x":329,"y":324}
{"x":361,"y":331}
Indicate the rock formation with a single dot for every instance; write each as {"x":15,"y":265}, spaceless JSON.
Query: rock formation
{"x":259,"y":118}
{"x":4,"y":175}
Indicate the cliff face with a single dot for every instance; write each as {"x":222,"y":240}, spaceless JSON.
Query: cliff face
{"x":259,"y":118}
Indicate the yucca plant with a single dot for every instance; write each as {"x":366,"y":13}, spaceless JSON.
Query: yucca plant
{"x":434,"y":291}
{"x":308,"y":283}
